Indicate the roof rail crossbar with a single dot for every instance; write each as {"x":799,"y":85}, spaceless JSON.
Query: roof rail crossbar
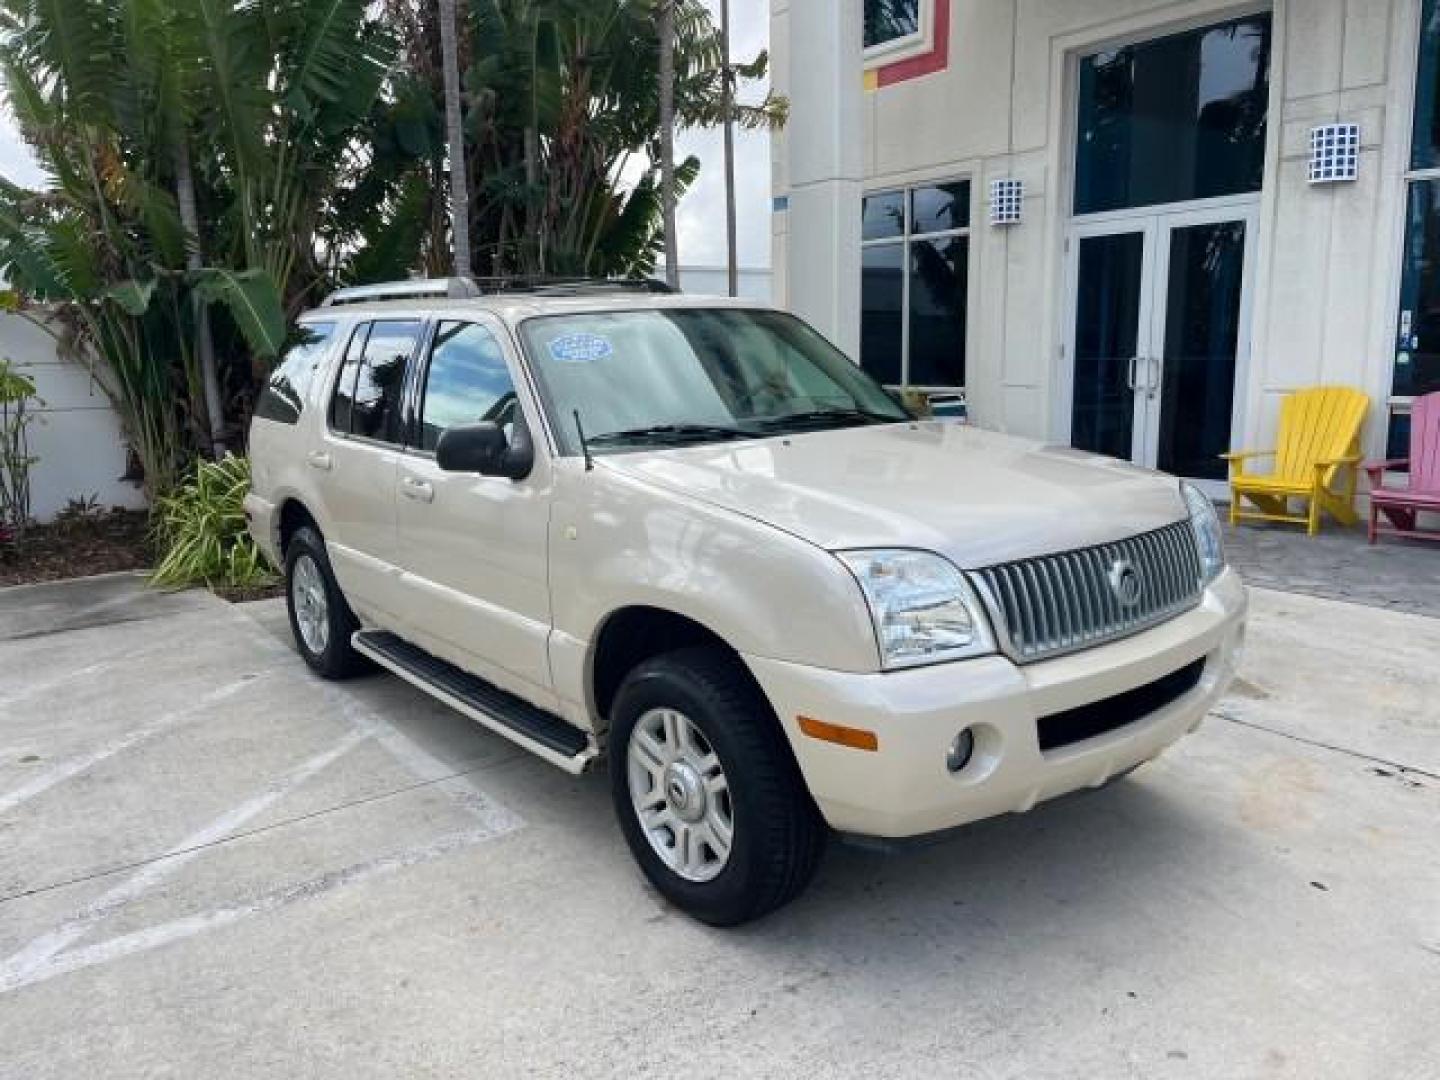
{"x":453,"y":288}
{"x":463,"y":288}
{"x":552,"y":285}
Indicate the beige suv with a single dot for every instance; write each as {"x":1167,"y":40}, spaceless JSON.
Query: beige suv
{"x":690,"y":535}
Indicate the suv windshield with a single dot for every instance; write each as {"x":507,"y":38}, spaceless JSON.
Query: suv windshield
{"x":688,"y":375}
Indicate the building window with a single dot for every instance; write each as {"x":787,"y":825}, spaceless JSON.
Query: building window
{"x":895,"y":25}
{"x":1417,"y":329}
{"x":915,"y":248}
{"x":1177,"y":118}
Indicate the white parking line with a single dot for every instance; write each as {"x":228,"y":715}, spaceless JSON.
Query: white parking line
{"x":22,"y":966}
{"x":52,"y":954}
{"x":153,"y":937}
{"x":64,"y":770}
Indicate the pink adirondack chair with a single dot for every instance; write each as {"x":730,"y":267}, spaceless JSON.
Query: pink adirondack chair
{"x":1401,"y":506}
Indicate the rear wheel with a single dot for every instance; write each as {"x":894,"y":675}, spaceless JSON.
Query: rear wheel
{"x":708,"y":795}
{"x":320,"y":619}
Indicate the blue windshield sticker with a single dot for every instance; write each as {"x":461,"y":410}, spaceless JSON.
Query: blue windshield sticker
{"x":581,"y":348}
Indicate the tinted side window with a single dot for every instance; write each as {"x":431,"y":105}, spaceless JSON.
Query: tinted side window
{"x":283,"y":398}
{"x":371,"y":386}
{"x":380,"y":383}
{"x":467,"y":382}
{"x":342,"y":403}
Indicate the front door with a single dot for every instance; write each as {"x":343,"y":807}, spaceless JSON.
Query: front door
{"x":1159,"y":318}
{"x":474,"y":548}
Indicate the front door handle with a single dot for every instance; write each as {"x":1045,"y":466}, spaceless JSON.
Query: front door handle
{"x":420,"y":490}
{"x":318,"y":459}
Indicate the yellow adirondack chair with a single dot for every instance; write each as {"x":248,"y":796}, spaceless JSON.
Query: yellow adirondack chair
{"x":1315,"y":461}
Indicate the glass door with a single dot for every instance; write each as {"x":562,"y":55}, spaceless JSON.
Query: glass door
{"x":1160,"y":317}
{"x":1202,"y":333}
{"x":1110,"y":292}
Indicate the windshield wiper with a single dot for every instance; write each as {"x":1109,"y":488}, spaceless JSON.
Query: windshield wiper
{"x":670,"y":433}
{"x":826,"y":416}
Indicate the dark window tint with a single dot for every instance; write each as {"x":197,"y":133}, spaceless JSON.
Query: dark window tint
{"x":1425,"y":147}
{"x":380,"y":383}
{"x":1107,"y":322}
{"x":1417,"y":349}
{"x":882,"y":215}
{"x":937,"y":311}
{"x":886,"y":20}
{"x":1202,"y":328}
{"x":1179,"y":118}
{"x":342,"y":403}
{"x":283,"y":398}
{"x":882,"y":294}
{"x":940,"y":208}
{"x":467,"y":382}
{"x":1397,"y":444}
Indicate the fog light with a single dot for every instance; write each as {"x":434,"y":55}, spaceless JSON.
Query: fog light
{"x":961,"y":750}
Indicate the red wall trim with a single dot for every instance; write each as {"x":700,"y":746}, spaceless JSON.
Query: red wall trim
{"x":937,"y":59}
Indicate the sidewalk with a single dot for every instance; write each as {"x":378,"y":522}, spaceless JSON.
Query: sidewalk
{"x":1339,"y":565}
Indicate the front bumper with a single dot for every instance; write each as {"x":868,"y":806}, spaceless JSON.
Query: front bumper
{"x":904,"y":787}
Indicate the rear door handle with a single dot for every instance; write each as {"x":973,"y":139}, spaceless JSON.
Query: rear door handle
{"x":318,"y":459}
{"x":421,"y":490}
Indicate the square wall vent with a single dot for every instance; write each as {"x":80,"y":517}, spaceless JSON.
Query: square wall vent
{"x":1007,"y":199}
{"x":1334,"y":153}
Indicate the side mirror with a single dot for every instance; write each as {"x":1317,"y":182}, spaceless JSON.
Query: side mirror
{"x":482,"y":448}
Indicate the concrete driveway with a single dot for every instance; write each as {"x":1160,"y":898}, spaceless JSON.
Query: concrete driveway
{"x":214,"y":865}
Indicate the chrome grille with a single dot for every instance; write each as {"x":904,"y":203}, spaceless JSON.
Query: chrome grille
{"x":1058,"y":603}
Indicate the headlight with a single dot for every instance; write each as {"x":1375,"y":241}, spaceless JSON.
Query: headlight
{"x":1206,"y":525}
{"x":923,"y":609}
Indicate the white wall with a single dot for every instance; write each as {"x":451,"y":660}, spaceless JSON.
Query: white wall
{"x":76,"y":435}
{"x":1328,"y":257}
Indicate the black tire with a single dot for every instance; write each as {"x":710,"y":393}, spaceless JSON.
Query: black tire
{"x":779,"y":835}
{"x":337,"y":660}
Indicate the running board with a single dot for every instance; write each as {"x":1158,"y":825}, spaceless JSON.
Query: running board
{"x":527,"y":725}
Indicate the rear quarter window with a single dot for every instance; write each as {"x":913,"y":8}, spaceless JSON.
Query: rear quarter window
{"x":283,"y":399}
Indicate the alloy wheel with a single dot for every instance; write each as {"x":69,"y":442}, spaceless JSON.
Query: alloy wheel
{"x":680,"y":794}
{"x":311,"y":604}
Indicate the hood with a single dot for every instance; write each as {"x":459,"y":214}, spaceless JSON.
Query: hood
{"x":974,"y":496}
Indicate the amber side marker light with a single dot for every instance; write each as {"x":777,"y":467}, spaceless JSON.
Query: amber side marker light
{"x":855,"y":738}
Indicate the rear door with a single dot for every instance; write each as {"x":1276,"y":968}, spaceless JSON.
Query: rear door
{"x":473,"y":548}
{"x":357,"y":457}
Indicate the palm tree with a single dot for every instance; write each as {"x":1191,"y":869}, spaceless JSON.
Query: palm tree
{"x":455,"y":138}
{"x":727,"y":123}
{"x":665,"y":29}
{"x":198,"y":149}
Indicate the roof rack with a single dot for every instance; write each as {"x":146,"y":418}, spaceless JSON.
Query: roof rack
{"x":454,"y":288}
{"x":461,"y":288}
{"x":550,"y":285}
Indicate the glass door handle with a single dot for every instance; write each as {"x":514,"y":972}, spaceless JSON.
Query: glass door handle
{"x":1154,"y":384}
{"x":1130,"y":373}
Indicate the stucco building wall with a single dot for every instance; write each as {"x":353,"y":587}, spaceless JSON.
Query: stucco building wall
{"x":76,"y":435}
{"x":1327,"y":258}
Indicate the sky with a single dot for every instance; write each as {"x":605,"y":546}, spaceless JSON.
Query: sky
{"x":701,"y":215}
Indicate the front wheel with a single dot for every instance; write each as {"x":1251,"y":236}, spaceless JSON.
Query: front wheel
{"x":320,"y":619}
{"x":709,"y":797}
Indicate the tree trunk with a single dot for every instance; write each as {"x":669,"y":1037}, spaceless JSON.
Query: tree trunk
{"x":455,"y":138}
{"x":665,"y":28}
{"x":727,"y":104}
{"x":194,"y":260}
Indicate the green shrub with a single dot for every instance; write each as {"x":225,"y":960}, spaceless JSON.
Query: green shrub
{"x":200,"y":530}
{"x":17,"y":404}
